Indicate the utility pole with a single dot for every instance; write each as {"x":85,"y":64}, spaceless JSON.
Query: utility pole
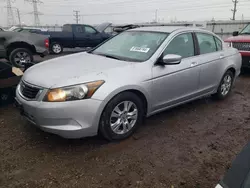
{"x":156,"y":16}
{"x":35,"y":11}
{"x":10,"y":16}
{"x":234,"y":10}
{"x":19,"y":18}
{"x":77,"y":16}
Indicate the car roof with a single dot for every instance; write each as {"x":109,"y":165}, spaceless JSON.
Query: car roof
{"x":166,"y":29}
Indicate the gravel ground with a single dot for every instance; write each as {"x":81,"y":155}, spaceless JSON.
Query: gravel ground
{"x":190,"y":146}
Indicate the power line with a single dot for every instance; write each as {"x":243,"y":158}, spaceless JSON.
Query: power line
{"x":234,"y":10}
{"x":77,"y":16}
{"x":35,"y":11}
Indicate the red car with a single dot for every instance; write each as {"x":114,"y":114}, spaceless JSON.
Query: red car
{"x":241,"y":41}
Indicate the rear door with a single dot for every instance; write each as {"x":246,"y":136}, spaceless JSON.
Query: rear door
{"x":211,"y":60}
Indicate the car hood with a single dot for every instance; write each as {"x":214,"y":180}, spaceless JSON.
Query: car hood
{"x":72,"y":69}
{"x":239,"y":38}
{"x":101,"y":28}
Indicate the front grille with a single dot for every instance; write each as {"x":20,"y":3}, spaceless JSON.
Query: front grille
{"x":243,"y":46}
{"x":28,"y":91}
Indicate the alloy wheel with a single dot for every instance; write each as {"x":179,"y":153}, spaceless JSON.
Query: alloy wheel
{"x":123,"y":117}
{"x":226,"y":85}
{"x":56,"y":48}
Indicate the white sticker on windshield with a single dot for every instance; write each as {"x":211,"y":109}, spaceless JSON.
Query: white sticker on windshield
{"x":139,"y":49}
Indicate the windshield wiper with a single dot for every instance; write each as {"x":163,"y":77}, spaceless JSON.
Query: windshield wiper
{"x":246,"y":33}
{"x":110,"y":56}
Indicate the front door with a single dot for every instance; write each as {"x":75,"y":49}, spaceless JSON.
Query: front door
{"x":93,"y":37}
{"x":173,"y":84}
{"x":80,"y":36}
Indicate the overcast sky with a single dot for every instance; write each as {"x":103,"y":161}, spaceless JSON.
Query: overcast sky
{"x":125,"y":11}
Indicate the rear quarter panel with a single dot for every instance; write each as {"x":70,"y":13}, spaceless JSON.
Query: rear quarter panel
{"x":32,"y":39}
{"x":233,"y":60}
{"x":64,"y":38}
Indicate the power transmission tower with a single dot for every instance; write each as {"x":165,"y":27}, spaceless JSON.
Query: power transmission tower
{"x":234,"y":10}
{"x":10,"y":16}
{"x":35,"y":11}
{"x":77,"y":16}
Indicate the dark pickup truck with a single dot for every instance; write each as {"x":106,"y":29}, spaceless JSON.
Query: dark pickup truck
{"x":75,"y":35}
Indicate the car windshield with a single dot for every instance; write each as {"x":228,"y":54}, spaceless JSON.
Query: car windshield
{"x":246,"y":30}
{"x":132,"y":46}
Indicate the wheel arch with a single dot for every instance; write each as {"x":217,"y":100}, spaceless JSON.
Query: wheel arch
{"x":232,"y":69}
{"x":14,"y":45}
{"x":135,"y":89}
{"x":141,"y":93}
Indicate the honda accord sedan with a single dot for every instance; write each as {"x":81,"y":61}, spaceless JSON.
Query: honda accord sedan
{"x":138,"y":73}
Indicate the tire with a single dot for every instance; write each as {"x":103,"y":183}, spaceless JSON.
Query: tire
{"x":23,"y":54}
{"x":225,"y":86}
{"x":126,"y":119}
{"x":6,"y":96}
{"x":56,"y":48}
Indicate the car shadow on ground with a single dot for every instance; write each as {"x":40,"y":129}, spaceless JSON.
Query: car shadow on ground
{"x":151,"y":127}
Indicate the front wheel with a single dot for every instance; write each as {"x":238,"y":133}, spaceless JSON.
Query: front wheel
{"x":122,"y":116}
{"x":225,"y":86}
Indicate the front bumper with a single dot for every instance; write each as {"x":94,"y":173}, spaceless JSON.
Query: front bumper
{"x":73,"y":119}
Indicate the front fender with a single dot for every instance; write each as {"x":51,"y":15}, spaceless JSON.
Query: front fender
{"x":106,"y":98}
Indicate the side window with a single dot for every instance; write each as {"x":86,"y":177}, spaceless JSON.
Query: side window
{"x":182,"y":45}
{"x":79,"y":29}
{"x":89,"y":30}
{"x":67,"y":28}
{"x":218,"y":44}
{"x":206,"y":43}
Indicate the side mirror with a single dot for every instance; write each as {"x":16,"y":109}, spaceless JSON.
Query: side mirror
{"x":171,"y":59}
{"x":235,"y":33}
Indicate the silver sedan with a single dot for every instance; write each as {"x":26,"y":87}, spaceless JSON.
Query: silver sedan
{"x":138,"y":73}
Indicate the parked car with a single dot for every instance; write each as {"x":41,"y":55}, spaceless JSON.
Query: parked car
{"x":19,"y":48}
{"x":138,"y":73}
{"x":118,"y":29}
{"x":74,"y":35}
{"x":238,"y":176}
{"x":29,"y":29}
{"x":9,"y":78}
{"x":241,"y":41}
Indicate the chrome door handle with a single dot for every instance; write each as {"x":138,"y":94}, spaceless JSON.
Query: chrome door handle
{"x":194,"y":64}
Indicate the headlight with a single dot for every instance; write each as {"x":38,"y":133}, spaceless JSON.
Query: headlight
{"x":228,"y":44}
{"x":76,"y":92}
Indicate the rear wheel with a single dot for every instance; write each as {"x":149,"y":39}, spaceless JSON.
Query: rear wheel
{"x":225,"y":86}
{"x":122,"y":116}
{"x":56,"y":48}
{"x":20,"y":56}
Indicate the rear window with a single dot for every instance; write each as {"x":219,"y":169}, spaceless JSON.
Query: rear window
{"x":206,"y":43}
